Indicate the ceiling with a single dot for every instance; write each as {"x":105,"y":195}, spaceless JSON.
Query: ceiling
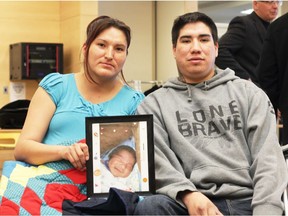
{"x":223,"y":11}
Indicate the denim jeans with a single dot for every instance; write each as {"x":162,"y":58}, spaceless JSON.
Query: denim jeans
{"x":163,"y":205}
{"x":233,"y":206}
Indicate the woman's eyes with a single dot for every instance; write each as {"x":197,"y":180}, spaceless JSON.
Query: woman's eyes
{"x":118,"y":49}
{"x":101,"y":44}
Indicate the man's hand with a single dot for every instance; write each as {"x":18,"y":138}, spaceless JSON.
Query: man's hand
{"x":198,"y":204}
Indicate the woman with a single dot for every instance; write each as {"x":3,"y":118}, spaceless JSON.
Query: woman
{"x":55,"y":125}
{"x":56,"y":116}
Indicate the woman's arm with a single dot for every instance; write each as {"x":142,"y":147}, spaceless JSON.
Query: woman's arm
{"x":30,"y":148}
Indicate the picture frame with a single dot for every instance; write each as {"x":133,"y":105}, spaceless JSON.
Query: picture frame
{"x":121,"y":154}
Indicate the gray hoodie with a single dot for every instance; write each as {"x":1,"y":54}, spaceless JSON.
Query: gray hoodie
{"x":217,"y":137}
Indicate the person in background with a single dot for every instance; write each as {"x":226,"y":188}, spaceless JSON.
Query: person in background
{"x":240,"y":47}
{"x":55,"y":120}
{"x":273,"y":70}
{"x":216,"y":147}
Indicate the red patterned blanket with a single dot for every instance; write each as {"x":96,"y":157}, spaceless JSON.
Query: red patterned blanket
{"x":39,"y":190}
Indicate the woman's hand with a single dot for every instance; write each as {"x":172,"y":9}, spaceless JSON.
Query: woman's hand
{"x":77,"y":154}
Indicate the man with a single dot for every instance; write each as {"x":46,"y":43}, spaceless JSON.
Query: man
{"x":216,"y":147}
{"x":240,"y":47}
{"x":273,"y":69}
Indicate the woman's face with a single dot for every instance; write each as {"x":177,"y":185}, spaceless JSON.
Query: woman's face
{"x":121,"y":164}
{"x":107,"y":54}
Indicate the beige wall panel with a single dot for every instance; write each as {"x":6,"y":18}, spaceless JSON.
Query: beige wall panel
{"x":89,"y":8}
{"x":29,"y":31}
{"x":190,"y":6}
{"x":30,"y":10}
{"x":25,"y":22}
{"x":69,"y":9}
{"x":75,"y":17}
{"x":31,"y":86}
{"x":167,"y":11}
{"x":88,"y":12}
{"x":71,"y":39}
{"x":85,"y":20}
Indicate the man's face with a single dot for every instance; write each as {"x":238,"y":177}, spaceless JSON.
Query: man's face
{"x":195,"y":52}
{"x":267,"y":10}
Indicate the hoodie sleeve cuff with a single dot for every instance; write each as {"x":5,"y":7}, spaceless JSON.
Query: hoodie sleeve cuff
{"x":267,"y":210}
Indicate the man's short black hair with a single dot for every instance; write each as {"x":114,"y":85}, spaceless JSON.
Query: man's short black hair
{"x":193,"y":17}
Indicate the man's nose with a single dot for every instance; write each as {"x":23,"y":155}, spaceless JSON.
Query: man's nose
{"x":195,"y":46}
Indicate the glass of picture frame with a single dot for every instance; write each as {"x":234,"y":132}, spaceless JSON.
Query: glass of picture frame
{"x":121,"y":154}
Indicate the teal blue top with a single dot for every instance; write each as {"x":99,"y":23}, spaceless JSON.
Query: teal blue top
{"x":68,"y":122}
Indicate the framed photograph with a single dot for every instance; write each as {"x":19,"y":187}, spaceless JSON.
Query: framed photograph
{"x":121,"y":154}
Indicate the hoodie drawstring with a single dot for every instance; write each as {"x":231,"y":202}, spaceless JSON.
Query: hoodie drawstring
{"x":206,"y":86}
{"x":189,"y":93}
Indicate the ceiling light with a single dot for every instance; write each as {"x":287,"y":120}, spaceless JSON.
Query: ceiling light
{"x":248,"y":11}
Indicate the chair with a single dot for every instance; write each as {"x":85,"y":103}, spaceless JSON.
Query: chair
{"x":8,"y":138}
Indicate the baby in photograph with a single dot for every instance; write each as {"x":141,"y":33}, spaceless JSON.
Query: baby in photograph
{"x":119,"y":169}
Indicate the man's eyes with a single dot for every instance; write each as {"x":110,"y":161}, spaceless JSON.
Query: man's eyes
{"x":185,"y":41}
{"x":204,"y":39}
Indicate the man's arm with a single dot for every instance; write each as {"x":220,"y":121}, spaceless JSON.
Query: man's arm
{"x":170,"y":176}
{"x":267,"y":70}
{"x":268,"y":168}
{"x":229,"y":44}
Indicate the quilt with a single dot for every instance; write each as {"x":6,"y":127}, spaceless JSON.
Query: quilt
{"x":39,"y":190}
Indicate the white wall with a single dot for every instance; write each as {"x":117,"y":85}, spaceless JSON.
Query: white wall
{"x":222,"y":28}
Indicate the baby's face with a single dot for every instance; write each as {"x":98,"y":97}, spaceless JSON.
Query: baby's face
{"x":121,"y":164}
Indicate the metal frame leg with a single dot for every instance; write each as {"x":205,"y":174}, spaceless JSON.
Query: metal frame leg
{"x":285,"y":194}
{"x":285,"y":197}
